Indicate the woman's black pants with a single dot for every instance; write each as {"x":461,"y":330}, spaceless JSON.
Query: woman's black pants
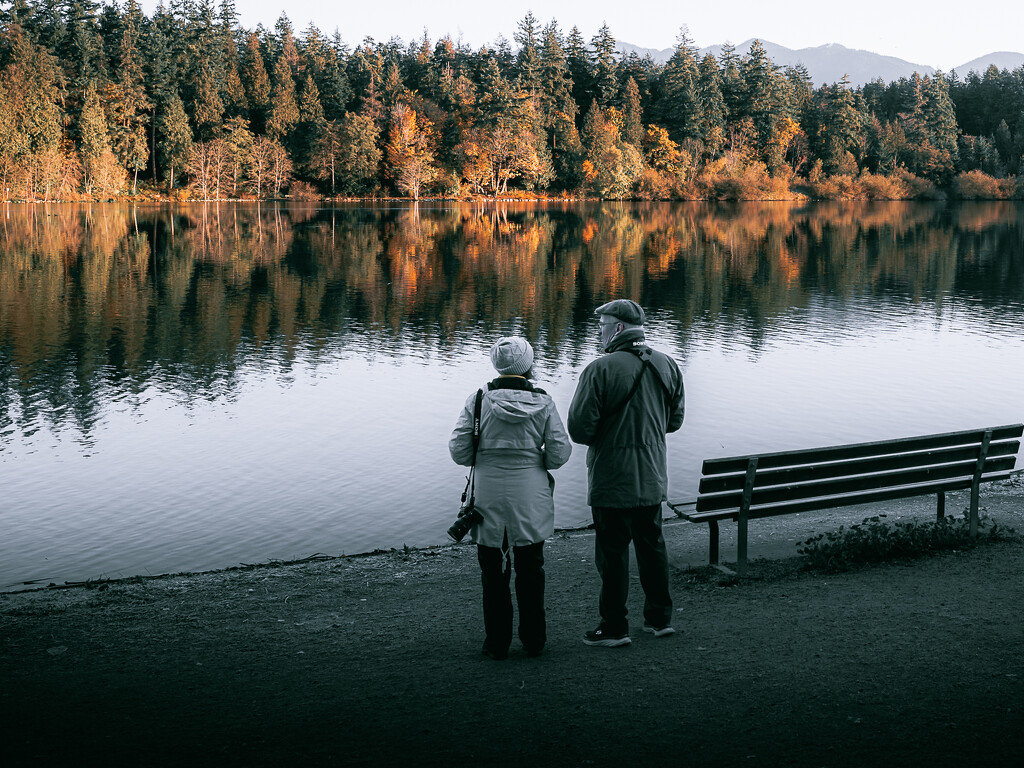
{"x":495,"y":575}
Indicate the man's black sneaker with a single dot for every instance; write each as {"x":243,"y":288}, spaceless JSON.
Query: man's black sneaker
{"x":602,"y":637}
{"x":664,"y":631}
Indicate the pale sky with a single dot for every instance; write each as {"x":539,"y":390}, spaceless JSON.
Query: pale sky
{"x":937,"y":33}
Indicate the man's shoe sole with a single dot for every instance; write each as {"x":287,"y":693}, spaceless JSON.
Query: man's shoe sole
{"x":607,"y":642}
{"x":662,"y":632}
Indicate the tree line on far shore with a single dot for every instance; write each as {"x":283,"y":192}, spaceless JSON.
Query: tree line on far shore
{"x":101,"y":100}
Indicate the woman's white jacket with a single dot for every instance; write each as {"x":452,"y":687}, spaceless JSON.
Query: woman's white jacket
{"x":521,"y":438}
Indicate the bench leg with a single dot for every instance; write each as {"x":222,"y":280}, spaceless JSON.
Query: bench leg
{"x":741,"y":545}
{"x":973,"y":523}
{"x":713,"y":534}
{"x":976,"y":482}
{"x":741,"y":519}
{"x":940,"y":511}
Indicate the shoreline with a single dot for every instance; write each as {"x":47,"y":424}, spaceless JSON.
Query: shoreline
{"x":770,"y":538}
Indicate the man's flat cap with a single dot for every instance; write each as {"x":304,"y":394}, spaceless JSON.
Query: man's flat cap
{"x":626,"y":310}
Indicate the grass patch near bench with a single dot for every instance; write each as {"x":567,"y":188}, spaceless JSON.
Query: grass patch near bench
{"x":875,"y":540}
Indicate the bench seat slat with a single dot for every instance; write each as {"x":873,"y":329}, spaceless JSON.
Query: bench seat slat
{"x":867,"y":497}
{"x":834,"y":487}
{"x":860,"y":450}
{"x":800,"y":474}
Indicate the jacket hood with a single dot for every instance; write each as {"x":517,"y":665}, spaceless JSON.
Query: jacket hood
{"x":516,"y":404}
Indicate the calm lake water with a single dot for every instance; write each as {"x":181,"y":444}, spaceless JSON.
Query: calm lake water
{"x":193,"y":387}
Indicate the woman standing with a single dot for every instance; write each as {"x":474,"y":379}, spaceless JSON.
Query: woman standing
{"x":521,"y":438}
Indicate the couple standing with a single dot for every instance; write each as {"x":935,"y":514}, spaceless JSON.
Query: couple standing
{"x":625,"y":404}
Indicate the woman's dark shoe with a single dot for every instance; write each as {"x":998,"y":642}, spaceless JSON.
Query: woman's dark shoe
{"x":493,"y":654}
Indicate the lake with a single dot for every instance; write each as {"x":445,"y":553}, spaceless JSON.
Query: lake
{"x":191,"y":387}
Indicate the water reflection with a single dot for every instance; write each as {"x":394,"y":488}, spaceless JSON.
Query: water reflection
{"x":107,"y":298}
{"x":118,"y":320}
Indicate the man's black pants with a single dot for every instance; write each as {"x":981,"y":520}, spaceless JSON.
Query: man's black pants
{"x":615,"y":528}
{"x":495,"y":574}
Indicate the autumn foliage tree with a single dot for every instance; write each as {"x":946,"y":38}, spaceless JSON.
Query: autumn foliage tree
{"x":409,"y":154}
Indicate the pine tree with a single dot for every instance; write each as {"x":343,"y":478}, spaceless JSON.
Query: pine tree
{"x":940,"y":122}
{"x":312,"y":123}
{"x":731,"y":81}
{"x":633,"y":130}
{"x":555,"y":80}
{"x":284,"y":109}
{"x":359,"y":155}
{"x":760,"y":91}
{"x":31,"y":90}
{"x":528,"y":63}
{"x":679,"y":104}
{"x":393,"y":89}
{"x":504,"y":56}
{"x":577,"y":59}
{"x":498,"y":99}
{"x":127,"y":118}
{"x":207,"y":109}
{"x":1005,"y":147}
{"x":232,"y":92}
{"x":365,"y":72}
{"x":711,"y":125}
{"x":35,"y":86}
{"x":175,"y":136}
{"x":82,"y":50}
{"x":593,"y":124}
{"x":255,"y":82}
{"x":799,"y":91}
{"x":93,"y":137}
{"x":160,"y":69}
{"x":605,"y":83}
{"x":439,"y":79}
{"x":322,"y":60}
{"x":310,"y":108}
{"x":842,"y":129}
{"x":323,"y":155}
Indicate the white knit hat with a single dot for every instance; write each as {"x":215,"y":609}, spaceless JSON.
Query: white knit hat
{"x":512,"y":355}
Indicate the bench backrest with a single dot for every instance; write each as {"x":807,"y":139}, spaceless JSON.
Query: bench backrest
{"x":818,"y":478}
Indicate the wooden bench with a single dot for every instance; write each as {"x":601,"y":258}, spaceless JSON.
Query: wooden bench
{"x":744,"y":488}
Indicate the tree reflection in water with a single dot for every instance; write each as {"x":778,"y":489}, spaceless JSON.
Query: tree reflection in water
{"x":114,"y":296}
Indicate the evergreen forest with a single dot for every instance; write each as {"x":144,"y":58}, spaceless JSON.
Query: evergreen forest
{"x":101,"y":101}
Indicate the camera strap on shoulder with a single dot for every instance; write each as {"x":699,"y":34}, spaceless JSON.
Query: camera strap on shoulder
{"x":669,"y":397}
{"x":645,"y":363}
{"x":644,"y":354}
{"x":470,"y":489}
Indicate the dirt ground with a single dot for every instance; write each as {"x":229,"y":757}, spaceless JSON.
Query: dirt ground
{"x":376,"y":660}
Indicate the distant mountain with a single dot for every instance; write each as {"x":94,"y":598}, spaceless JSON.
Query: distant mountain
{"x":828,"y":63}
{"x":1001,"y":60}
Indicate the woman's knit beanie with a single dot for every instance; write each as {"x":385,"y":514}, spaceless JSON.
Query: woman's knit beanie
{"x":512,"y":355}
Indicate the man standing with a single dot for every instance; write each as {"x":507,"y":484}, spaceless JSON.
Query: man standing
{"x":625,"y":404}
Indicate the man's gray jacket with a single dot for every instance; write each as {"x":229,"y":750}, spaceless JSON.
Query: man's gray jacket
{"x":627,"y":463}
